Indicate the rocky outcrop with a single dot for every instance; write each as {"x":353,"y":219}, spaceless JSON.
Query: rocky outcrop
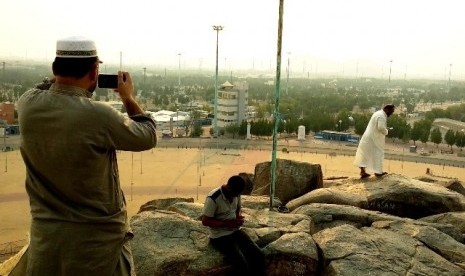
{"x":168,"y":243}
{"x":330,"y":231}
{"x":348,"y":250}
{"x":315,"y":238}
{"x":392,"y":194}
{"x":293,"y":179}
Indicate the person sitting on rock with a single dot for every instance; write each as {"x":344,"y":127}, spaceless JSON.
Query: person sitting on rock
{"x":222,"y":214}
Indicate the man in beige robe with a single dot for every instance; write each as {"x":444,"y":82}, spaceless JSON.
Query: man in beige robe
{"x":68,"y":144}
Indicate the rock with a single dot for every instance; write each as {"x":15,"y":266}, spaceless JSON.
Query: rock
{"x":443,"y":244}
{"x":392,"y":194}
{"x":188,"y":209}
{"x":331,"y":215}
{"x":327,"y":195}
{"x":293,"y":179}
{"x":347,"y":250}
{"x":248,"y":177}
{"x":286,"y":223}
{"x":292,"y":254}
{"x":455,"y":218}
{"x":162,"y":203}
{"x":168,"y":243}
{"x":258,"y":202}
{"x":457,"y":186}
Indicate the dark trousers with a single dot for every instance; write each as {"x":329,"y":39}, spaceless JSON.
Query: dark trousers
{"x":240,"y":251}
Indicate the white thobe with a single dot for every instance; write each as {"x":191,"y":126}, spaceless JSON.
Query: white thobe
{"x":370,"y":151}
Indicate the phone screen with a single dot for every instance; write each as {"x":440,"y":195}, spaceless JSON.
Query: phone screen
{"x":107,"y":81}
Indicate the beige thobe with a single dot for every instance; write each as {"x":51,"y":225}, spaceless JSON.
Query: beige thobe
{"x":68,"y":143}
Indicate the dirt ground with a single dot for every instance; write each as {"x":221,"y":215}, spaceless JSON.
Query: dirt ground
{"x":171,"y":172}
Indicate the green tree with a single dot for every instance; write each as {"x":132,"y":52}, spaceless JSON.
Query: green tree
{"x":360,"y":123}
{"x":460,"y":139}
{"x":232,"y":129}
{"x":197,"y":130}
{"x":436,"y":136}
{"x":243,"y":128}
{"x":450,"y":138}
{"x":399,"y":127}
{"x":415,"y":133}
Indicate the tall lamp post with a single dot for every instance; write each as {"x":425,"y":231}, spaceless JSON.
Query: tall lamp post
{"x":216,"y":28}
{"x":276,"y":103}
{"x":450,"y":71}
{"x":390,"y":67}
{"x":143,"y":89}
{"x":179,"y":70}
{"x":288,"y":69}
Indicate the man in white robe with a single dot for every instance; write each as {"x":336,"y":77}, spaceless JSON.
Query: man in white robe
{"x":370,"y":151}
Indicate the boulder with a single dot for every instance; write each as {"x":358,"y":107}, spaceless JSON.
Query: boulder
{"x":293,"y":179}
{"x":248,"y":178}
{"x":258,"y":202}
{"x":456,"y":185}
{"x":391,"y":194}
{"x":330,"y":215}
{"x":455,"y":218}
{"x":170,"y":243}
{"x":347,"y":250}
{"x":435,"y":240}
{"x":292,"y":254}
{"x":162,"y":203}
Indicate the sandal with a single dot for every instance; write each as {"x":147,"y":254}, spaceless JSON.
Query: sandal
{"x":381,"y":174}
{"x":365,"y":175}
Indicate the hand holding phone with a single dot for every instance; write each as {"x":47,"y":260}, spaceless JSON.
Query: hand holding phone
{"x":107,"y":81}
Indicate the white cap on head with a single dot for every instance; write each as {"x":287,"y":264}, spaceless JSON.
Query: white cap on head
{"x":76,"y":47}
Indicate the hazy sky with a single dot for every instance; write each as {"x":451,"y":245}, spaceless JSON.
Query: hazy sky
{"x":419,"y":36}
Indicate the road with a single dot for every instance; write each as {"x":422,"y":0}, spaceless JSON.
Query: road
{"x":393,"y":152}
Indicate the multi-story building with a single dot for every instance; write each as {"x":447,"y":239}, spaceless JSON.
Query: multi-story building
{"x":232,"y":103}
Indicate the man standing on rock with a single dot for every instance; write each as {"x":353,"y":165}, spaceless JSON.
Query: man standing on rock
{"x":370,"y":151}
{"x":222,"y":213}
{"x":68,"y":144}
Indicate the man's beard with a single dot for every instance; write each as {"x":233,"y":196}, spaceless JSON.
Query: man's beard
{"x":92,"y":88}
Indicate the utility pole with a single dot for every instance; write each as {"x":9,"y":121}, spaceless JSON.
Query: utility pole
{"x":450,"y":70}
{"x":390,"y":67}
{"x":179,"y":70}
{"x":145,"y":69}
{"x":216,"y":28}
{"x":288,"y":69}
{"x":276,"y":105}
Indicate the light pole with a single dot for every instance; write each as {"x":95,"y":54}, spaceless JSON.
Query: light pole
{"x":179,"y":70}
{"x":216,"y":28}
{"x":390,"y":67}
{"x":145,"y":69}
{"x":450,"y":70}
{"x":276,"y":105}
{"x":288,"y":69}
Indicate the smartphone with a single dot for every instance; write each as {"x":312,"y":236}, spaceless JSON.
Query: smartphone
{"x":107,"y":81}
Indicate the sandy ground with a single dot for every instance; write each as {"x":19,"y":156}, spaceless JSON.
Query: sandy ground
{"x":171,"y":172}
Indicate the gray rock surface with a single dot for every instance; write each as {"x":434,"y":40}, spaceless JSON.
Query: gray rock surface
{"x":370,"y":251}
{"x":392,"y":194}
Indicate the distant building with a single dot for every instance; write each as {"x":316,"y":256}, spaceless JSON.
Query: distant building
{"x":232,"y":103}
{"x":7,"y":112}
